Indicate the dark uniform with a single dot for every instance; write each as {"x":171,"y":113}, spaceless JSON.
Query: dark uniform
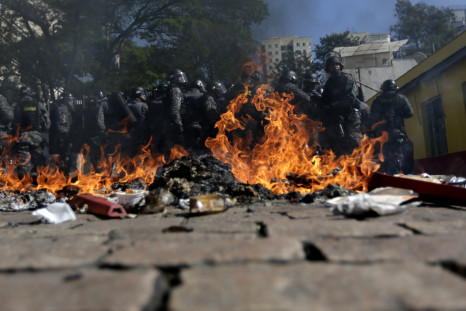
{"x":6,"y":116}
{"x":392,"y":108}
{"x":31,"y":119}
{"x":95,"y":130}
{"x":154,"y":118}
{"x":341,"y":116}
{"x":192,"y":116}
{"x":61,"y":118}
{"x":173,"y":126}
{"x":288,"y":84}
{"x":138,"y":131}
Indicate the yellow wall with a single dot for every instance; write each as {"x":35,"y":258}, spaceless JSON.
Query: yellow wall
{"x":448,"y":84}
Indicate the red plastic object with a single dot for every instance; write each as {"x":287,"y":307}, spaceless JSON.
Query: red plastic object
{"x":423,"y":188}
{"x":99,"y":206}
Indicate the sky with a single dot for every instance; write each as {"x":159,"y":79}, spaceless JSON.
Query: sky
{"x":317,"y":18}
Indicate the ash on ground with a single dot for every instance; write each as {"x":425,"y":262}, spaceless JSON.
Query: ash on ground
{"x":29,"y":200}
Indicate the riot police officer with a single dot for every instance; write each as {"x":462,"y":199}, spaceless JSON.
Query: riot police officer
{"x":61,"y":118}
{"x":341,"y":116}
{"x":387,"y":114}
{"x":173,"y":125}
{"x":31,"y":120}
{"x":6,"y":116}
{"x":95,"y":130}
{"x":288,"y":83}
{"x":138,"y":130}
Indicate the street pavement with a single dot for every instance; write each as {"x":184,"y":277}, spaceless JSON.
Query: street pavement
{"x":268,"y":256}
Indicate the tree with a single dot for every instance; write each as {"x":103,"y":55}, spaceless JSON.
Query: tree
{"x":54,"y":43}
{"x":427,"y":27}
{"x":328,"y":44}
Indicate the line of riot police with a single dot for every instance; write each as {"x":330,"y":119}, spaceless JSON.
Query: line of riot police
{"x":181,"y":113}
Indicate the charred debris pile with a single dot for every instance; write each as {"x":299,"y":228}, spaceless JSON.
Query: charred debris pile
{"x":176,"y":182}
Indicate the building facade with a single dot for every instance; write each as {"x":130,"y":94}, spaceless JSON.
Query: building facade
{"x":275,"y":49}
{"x":374,"y":60}
{"x":436,"y":88}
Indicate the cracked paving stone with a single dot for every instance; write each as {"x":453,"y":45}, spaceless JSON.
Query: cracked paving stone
{"x":83,"y":290}
{"x":51,"y":253}
{"x":319,"y":286}
{"x":429,"y":249}
{"x":304,"y":228}
{"x":190,"y":252}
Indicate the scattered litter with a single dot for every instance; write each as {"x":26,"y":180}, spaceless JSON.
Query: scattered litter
{"x":130,"y":197}
{"x":379,"y":202}
{"x":98,"y":206}
{"x":207,"y":204}
{"x":56,"y":213}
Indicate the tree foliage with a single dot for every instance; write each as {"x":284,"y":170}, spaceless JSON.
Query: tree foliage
{"x":53,"y":44}
{"x":427,"y":27}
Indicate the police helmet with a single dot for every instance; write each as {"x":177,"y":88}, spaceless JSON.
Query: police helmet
{"x":290,"y":76}
{"x":25,"y":90}
{"x":333,"y":60}
{"x":311,"y":78}
{"x":199,"y":84}
{"x":138,"y":92}
{"x":177,"y":76}
{"x":217,"y":87}
{"x":99,"y":94}
{"x":389,"y":85}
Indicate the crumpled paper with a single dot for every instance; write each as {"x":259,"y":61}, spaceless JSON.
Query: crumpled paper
{"x":55,"y":213}
{"x":379,"y":202}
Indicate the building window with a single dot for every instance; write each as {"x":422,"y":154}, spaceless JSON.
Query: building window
{"x":263,"y":48}
{"x":304,"y":52}
{"x":277,"y":60}
{"x":434,"y":127}
{"x":290,"y":47}
{"x":276,"y":52}
{"x":276,"y":46}
{"x":297,"y":44}
{"x":304,"y":43}
{"x":384,"y":61}
{"x":270,"y":53}
{"x":283,"y":47}
{"x":270,"y":46}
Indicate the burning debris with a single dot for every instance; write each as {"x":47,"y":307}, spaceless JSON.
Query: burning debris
{"x":187,"y":176}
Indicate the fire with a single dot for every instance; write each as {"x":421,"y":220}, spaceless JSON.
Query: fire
{"x":284,"y":153}
{"x":114,"y":168}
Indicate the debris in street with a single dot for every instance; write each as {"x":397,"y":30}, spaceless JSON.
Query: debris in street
{"x":28,"y":200}
{"x":429,"y":189}
{"x":207,"y":204}
{"x":98,"y":206}
{"x":157,"y":200}
{"x":187,"y":176}
{"x":379,"y":202}
{"x":56,"y":213}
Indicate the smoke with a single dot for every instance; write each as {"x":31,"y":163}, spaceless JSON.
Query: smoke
{"x":316,"y":19}
{"x":288,"y":18}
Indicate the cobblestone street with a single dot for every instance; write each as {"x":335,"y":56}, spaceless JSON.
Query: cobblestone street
{"x":270,"y":256}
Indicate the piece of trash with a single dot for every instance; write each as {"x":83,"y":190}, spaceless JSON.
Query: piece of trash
{"x":98,"y":206}
{"x":207,"y":204}
{"x":157,"y":200}
{"x":173,"y":229}
{"x":130,"y":197}
{"x":56,"y":213}
{"x":379,"y":202}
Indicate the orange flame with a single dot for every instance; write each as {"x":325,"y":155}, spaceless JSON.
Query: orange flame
{"x":112,"y":169}
{"x":284,"y":150}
